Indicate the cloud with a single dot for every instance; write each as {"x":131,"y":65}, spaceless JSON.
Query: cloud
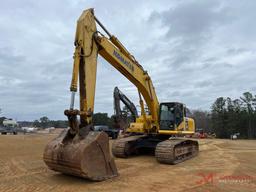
{"x":194,"y":51}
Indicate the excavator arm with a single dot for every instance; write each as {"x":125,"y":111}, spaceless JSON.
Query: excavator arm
{"x":119,"y":96}
{"x":121,"y":120}
{"x":84,"y":70}
{"x":88,"y":44}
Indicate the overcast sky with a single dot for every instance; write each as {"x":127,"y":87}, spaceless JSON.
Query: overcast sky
{"x":194,"y":51}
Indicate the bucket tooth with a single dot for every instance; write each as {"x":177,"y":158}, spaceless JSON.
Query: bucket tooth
{"x":83,"y":156}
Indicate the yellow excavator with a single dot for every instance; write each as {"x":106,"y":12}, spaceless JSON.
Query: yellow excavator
{"x":82,"y":152}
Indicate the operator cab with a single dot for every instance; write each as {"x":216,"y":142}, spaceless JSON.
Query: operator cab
{"x":171,"y":115}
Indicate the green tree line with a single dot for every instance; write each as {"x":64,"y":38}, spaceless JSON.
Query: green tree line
{"x":229,"y":116}
{"x":44,"y":122}
{"x":226,"y":117}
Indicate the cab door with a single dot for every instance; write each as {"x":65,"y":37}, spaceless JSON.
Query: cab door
{"x":167,"y":116}
{"x":171,"y":116}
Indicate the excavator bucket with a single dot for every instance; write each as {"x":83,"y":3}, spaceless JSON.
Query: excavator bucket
{"x":85,"y":154}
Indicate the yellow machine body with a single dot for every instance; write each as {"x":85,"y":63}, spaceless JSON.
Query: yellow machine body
{"x":82,"y":152}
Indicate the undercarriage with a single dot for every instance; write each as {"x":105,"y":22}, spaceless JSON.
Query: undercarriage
{"x":166,"y":150}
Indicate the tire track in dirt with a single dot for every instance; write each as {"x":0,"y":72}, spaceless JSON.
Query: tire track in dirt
{"x":22,"y":170}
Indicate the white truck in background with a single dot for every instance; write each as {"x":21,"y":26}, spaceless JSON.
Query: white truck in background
{"x":9,"y":126}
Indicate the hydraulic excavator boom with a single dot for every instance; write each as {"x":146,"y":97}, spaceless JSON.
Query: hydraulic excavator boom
{"x":120,"y":119}
{"x":89,"y":42}
{"x":80,"y":151}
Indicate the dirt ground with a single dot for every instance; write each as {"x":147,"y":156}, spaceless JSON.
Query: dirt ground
{"x":222,"y":165}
